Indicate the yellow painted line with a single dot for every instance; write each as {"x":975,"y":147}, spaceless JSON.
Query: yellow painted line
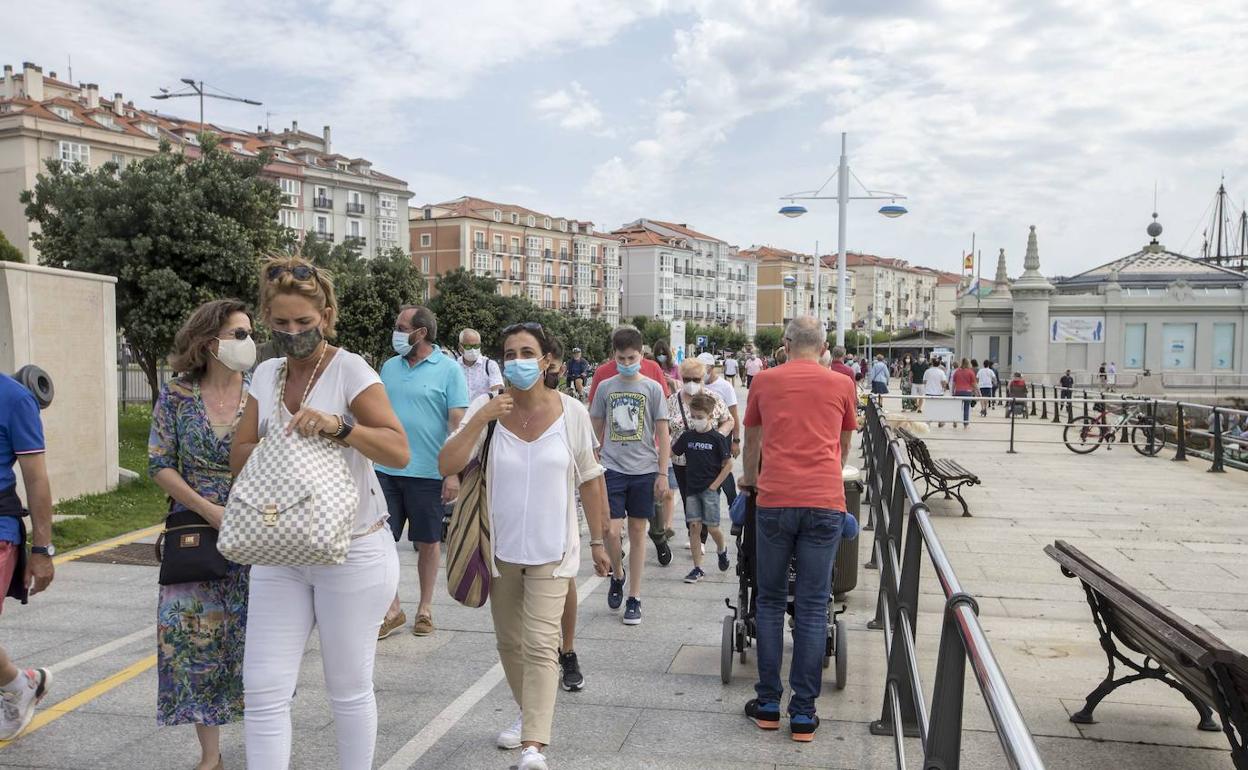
{"x":52,"y":713}
{"x":104,"y":545}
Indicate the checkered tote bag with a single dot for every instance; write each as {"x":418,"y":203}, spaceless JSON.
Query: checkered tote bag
{"x":468,"y":546}
{"x":294,"y":503}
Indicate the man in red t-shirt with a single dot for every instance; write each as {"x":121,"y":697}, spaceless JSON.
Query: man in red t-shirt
{"x":799,"y":422}
{"x":607,"y":370}
{"x":838,"y":363}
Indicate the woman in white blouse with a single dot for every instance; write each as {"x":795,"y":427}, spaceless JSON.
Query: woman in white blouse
{"x":334,"y":393}
{"x":541,"y":452}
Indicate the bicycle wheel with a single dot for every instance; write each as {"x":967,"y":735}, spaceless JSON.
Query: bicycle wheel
{"x":1140,"y":436}
{"x":1082,"y":436}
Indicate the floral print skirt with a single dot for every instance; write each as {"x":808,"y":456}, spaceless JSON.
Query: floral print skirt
{"x":200,"y":628}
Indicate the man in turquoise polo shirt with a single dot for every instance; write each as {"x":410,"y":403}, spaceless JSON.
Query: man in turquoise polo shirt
{"x":429,"y":394}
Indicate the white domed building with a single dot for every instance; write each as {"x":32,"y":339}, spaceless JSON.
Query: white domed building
{"x":1181,"y":321}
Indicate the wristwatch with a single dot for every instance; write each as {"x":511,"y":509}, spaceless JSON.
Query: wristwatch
{"x":736,"y":441}
{"x":44,"y":550}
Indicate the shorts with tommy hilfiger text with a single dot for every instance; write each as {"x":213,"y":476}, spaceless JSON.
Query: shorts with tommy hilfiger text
{"x":630,"y":496}
{"x":704,"y":507}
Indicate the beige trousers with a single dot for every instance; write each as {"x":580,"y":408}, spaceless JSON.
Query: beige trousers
{"x":527,"y":604}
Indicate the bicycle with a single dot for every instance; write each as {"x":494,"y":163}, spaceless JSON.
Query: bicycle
{"x":1084,"y":434}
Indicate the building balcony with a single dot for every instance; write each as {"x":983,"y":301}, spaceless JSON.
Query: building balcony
{"x":548,"y":254}
{"x":516,"y":276}
{"x":355,"y":208}
{"x":565,"y":280}
{"x":358,"y":240}
{"x":563,"y":255}
{"x":324,"y":236}
{"x":323,"y":203}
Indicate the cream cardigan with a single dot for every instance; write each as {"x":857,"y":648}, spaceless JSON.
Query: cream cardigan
{"x":579,"y":433}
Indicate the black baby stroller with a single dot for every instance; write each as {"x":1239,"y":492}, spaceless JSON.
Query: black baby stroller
{"x":740,"y":630}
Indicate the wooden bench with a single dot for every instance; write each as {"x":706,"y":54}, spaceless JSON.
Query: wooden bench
{"x":1210,"y":674}
{"x":942,"y":475}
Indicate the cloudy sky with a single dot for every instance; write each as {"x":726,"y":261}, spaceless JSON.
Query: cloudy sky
{"x":989,"y":116}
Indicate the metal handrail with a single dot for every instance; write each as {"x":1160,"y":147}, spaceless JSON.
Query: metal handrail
{"x":893,"y":497}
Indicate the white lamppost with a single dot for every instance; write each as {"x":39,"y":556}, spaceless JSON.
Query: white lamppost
{"x":842,"y":198}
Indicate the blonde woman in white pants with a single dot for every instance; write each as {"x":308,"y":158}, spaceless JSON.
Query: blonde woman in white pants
{"x":334,"y":393}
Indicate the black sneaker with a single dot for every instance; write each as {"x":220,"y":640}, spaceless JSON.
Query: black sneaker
{"x":615,"y":593}
{"x":695,"y":575}
{"x":663,"y":552}
{"x":803,"y":727}
{"x":632,"y":612}
{"x":572,"y":680}
{"x":766,"y":714}
{"x":723,"y":560}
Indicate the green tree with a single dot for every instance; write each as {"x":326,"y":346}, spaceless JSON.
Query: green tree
{"x":370,"y":292}
{"x":9,"y":252}
{"x":639,"y":321}
{"x":768,"y":339}
{"x":654,"y":330}
{"x":176,"y":231}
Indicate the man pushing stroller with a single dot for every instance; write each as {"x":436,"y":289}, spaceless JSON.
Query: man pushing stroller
{"x":801,"y":416}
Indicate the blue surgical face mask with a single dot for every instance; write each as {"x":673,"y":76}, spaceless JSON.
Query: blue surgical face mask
{"x":523,"y":372}
{"x":629,"y":370}
{"x":399,"y":341}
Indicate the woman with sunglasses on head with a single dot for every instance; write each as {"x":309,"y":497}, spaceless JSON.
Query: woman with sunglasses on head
{"x":692,"y":374}
{"x":330,"y":392}
{"x":541,"y":454}
{"x":200,"y":625}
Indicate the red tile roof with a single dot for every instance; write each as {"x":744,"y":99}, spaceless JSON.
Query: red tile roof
{"x":685,"y":230}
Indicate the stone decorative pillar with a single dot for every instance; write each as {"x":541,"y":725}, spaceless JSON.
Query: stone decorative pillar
{"x":1031,"y":295}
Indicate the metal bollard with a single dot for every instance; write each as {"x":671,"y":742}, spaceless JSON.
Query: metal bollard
{"x":1044,"y":402}
{"x":1085,"y":403}
{"x":1012,"y":410}
{"x":1152,"y":430}
{"x":1033,"y":399}
{"x":1217,"y":443}
{"x":1180,"y":453}
{"x":1057,"y":406}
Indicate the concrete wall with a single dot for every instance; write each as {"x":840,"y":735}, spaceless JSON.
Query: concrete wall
{"x":66,"y":322}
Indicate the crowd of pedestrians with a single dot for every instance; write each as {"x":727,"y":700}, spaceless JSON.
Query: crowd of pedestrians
{"x":611,"y":455}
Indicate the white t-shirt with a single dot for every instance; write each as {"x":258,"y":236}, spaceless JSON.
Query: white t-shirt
{"x":529,"y":512}
{"x":730,"y":367}
{"x":934,"y":380}
{"x":986,"y":377}
{"x":346,"y":377}
{"x":482,"y":375}
{"x":724,"y":390}
{"x":753,"y":366}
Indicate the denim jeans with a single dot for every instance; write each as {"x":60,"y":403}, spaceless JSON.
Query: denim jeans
{"x":967,"y":404}
{"x":812,"y":536}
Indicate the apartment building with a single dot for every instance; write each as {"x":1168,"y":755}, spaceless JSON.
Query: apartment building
{"x":559,"y":263}
{"x":673,"y":272}
{"x":786,"y":287}
{"x":43,"y":117}
{"x":948,"y":288}
{"x":890,"y":293}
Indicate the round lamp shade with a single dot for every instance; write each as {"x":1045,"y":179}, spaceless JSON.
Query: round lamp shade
{"x":793,"y":211}
{"x":790,"y":281}
{"x":893,"y":210}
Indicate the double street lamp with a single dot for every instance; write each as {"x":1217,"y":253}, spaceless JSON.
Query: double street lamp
{"x":198,"y":89}
{"x":793,"y":210}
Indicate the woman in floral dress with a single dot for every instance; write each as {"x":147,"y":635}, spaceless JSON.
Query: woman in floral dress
{"x":201,"y":626}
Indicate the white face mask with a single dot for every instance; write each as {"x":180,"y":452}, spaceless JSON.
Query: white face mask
{"x":699,"y":425}
{"x":238,"y":355}
{"x":471,"y":355}
{"x":692,"y":388}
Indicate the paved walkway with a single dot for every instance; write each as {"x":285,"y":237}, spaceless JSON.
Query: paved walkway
{"x":653,"y":697}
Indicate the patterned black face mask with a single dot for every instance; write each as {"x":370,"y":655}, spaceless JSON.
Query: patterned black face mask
{"x":552,"y":380}
{"x":298,"y":345}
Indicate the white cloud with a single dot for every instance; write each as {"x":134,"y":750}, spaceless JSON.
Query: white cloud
{"x":991,"y":115}
{"x":574,"y":109}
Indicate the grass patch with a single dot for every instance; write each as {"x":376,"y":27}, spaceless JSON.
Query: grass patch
{"x":131,"y":506}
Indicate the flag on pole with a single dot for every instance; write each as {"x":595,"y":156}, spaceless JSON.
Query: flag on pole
{"x":968,"y":263}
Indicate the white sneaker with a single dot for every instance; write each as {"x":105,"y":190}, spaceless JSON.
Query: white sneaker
{"x":531,"y":759}
{"x":510,"y":738}
{"x":17,"y":707}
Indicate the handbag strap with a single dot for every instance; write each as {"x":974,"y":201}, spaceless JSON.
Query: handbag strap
{"x":489,"y":434}
{"x":276,"y":419}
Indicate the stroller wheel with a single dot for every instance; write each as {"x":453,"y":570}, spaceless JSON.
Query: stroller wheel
{"x":726,"y":651}
{"x":842,"y":655}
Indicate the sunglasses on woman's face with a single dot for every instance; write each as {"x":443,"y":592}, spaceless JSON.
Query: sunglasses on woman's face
{"x":529,"y":326}
{"x":238,"y":334}
{"x":300,"y":272}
